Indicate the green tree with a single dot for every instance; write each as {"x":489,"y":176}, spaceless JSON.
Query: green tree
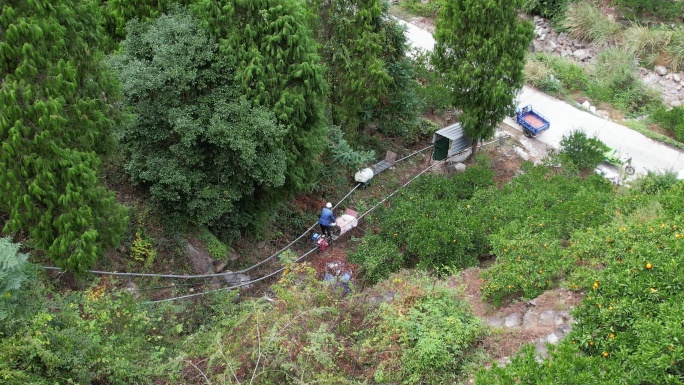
{"x":582,"y":151}
{"x":481,"y":46}
{"x":205,"y":153}
{"x":277,"y":67}
{"x":353,"y":35}
{"x":117,"y":13}
{"x":56,"y":117}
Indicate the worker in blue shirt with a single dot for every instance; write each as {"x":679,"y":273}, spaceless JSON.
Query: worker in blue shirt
{"x":327,"y":219}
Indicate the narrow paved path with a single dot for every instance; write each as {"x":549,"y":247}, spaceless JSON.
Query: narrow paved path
{"x":646,"y":154}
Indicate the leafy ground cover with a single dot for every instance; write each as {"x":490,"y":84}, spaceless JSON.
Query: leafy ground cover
{"x":628,"y":328}
{"x":409,"y":329}
{"x":449,"y":223}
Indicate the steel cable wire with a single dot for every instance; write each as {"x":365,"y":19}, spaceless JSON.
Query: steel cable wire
{"x":212,"y":275}
{"x":303,"y":256}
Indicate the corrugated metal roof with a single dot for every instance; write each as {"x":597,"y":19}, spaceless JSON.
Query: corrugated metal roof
{"x":454,"y":133}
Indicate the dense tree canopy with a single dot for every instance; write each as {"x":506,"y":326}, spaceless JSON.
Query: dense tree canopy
{"x":278,"y":68}
{"x":56,"y":115}
{"x":117,"y":13}
{"x":481,"y":46}
{"x":353,"y":39}
{"x":204,"y":151}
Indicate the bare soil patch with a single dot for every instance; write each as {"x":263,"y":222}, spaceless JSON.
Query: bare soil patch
{"x":505,"y":342}
{"x":656,"y":128}
{"x":505,"y":162}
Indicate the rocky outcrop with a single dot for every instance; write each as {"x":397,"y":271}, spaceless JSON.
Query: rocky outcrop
{"x":661,"y":78}
{"x":559,"y":321}
{"x":203,"y":263}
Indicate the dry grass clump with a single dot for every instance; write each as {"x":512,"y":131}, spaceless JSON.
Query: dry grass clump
{"x":586,"y":22}
{"x":536,"y":71}
{"x":675,"y":50}
{"x":646,"y":43}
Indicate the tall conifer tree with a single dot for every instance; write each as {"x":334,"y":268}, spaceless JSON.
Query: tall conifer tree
{"x":481,"y":47}
{"x":277,"y":67}
{"x":353,"y":35}
{"x":56,"y":115}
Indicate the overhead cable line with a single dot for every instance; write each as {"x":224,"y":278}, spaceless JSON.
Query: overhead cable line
{"x":232,"y":287}
{"x":303,"y":256}
{"x":213,"y":275}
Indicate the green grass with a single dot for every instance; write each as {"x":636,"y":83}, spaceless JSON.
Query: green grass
{"x":675,"y":50}
{"x":640,"y":126}
{"x":586,"y":22}
{"x":615,"y":80}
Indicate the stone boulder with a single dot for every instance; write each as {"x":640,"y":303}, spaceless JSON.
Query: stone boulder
{"x":580,"y":54}
{"x":660,"y":70}
{"x":513,"y":320}
{"x":200,"y":260}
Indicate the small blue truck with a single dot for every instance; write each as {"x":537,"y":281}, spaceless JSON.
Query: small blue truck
{"x":532,"y":122}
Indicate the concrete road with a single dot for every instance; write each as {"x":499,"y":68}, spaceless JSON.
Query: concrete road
{"x":646,"y":154}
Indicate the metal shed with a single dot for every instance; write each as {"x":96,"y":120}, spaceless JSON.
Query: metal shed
{"x":449,"y":141}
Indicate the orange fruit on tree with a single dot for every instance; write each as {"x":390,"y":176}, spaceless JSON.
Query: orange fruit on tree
{"x":649,"y":266}
{"x":605,"y":354}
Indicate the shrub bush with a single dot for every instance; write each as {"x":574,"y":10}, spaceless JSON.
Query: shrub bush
{"x":87,"y":337}
{"x":435,"y":97}
{"x":666,"y":9}
{"x":216,"y":248}
{"x":553,"y":74}
{"x":550,"y":9}
{"x":426,"y":334}
{"x":582,"y":151}
{"x":429,"y":8}
{"x":671,"y":120}
{"x":654,"y":182}
{"x":378,"y":258}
